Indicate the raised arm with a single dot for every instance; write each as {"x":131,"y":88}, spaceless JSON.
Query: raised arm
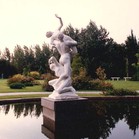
{"x":61,"y":22}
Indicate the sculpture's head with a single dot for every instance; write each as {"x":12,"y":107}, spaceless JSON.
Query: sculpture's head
{"x":60,"y":36}
{"x":52,"y":64}
{"x":49,"y":34}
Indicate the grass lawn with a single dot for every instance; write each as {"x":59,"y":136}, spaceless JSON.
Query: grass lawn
{"x":131,"y":85}
{"x":4,"y":88}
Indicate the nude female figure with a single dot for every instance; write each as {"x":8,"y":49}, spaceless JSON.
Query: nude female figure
{"x":63,"y":68}
{"x":54,"y":35}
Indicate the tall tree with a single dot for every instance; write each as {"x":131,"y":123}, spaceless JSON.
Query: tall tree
{"x":97,"y":49}
{"x":6,"y":69}
{"x":131,"y":47}
{"x":19,"y":59}
{"x":92,"y":47}
{"x":41,"y":58}
{"x":7,"y":54}
{"x":29,"y":58}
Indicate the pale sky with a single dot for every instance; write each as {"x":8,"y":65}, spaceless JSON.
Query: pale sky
{"x":25,"y":22}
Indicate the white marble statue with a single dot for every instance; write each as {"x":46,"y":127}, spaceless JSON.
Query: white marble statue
{"x":54,"y":36}
{"x":66,"y":47}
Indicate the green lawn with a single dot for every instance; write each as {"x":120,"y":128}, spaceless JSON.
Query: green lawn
{"x":4,"y":88}
{"x":131,"y":85}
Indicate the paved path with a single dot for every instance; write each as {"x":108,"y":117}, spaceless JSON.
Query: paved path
{"x":22,"y":93}
{"x":43,"y":93}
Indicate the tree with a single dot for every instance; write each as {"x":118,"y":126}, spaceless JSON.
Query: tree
{"x":131,"y":47}
{"x":6,"y":69}
{"x":29,"y":58}
{"x":7,"y":55}
{"x":93,"y":47}
{"x":19,"y":59}
{"x":41,"y":58}
{"x":76,"y":65}
{"x":136,"y":66}
{"x":96,"y":49}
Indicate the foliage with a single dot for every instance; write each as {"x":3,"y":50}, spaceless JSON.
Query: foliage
{"x":84,"y":82}
{"x":46,"y":86}
{"x":17,"y":85}
{"x":43,"y":76}
{"x":100,"y":85}
{"x":95,"y":49}
{"x":81,"y":81}
{"x":120,"y":92}
{"x":4,"y":88}
{"x":132,"y":47}
{"x":41,"y":58}
{"x":31,"y":59}
{"x":6,"y":69}
{"x":76,"y":65}
{"x":18,"y":78}
{"x":34,"y":74}
{"x":28,"y":81}
{"x":101,"y":73}
{"x":136,"y":74}
{"x":136,"y":66}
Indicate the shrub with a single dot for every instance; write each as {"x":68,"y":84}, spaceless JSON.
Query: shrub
{"x":100,"y":85}
{"x":36,"y":82}
{"x":81,"y":83}
{"x":46,"y":86}
{"x":85,"y":83}
{"x":17,"y":85}
{"x":28,"y":81}
{"x":120,"y":92}
{"x":17,"y":78}
{"x":34,"y":74}
{"x":101,"y":73}
{"x":43,"y":76}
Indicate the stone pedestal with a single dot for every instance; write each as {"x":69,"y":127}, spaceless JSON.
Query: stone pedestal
{"x":64,"y":119}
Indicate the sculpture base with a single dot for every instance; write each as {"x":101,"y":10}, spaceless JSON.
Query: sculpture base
{"x":64,"y":119}
{"x":64,"y":96}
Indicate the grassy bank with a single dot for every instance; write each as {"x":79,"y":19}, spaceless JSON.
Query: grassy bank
{"x":4,"y":88}
{"x":131,"y":85}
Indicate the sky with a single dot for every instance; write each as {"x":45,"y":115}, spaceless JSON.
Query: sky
{"x":25,"y":22}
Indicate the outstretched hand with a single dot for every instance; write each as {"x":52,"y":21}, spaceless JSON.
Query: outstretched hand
{"x":57,"y":16}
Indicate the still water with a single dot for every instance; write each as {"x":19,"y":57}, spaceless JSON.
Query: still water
{"x":107,"y":120}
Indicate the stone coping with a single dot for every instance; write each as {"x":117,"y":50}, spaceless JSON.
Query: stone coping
{"x":110,"y":98}
{"x":19,"y":100}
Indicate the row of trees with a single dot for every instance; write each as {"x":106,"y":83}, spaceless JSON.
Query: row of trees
{"x":23,"y":60}
{"x":95,"y":49}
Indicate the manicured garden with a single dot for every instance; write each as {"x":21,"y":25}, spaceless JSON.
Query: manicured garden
{"x":131,"y":85}
{"x":4,"y":88}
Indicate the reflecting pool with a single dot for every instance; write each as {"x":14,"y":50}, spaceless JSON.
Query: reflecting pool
{"x":105,"y":120}
{"x":21,"y":121}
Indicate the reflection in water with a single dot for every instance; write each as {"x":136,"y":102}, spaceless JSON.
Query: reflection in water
{"x":105,"y":115}
{"x":104,"y":120}
{"x":25,"y":109}
{"x":21,"y":121}
{"x":100,"y":122}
